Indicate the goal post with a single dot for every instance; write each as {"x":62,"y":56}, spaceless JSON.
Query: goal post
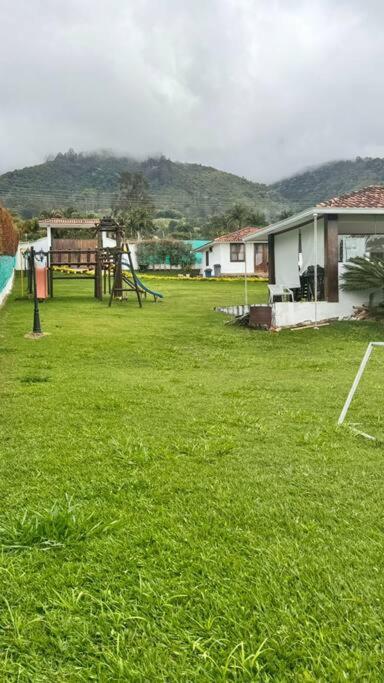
{"x":355,"y":384}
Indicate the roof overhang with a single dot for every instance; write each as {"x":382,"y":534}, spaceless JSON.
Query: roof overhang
{"x":307,"y":216}
{"x":66,"y":225}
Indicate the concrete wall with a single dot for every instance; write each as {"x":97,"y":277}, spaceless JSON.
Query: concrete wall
{"x":288,"y":314}
{"x":7,"y":274}
{"x":43,"y":243}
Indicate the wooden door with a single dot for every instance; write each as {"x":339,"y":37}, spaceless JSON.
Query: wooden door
{"x":261,"y":260}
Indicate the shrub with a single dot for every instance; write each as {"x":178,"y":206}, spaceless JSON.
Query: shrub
{"x":9,"y":238}
{"x":172,"y":252}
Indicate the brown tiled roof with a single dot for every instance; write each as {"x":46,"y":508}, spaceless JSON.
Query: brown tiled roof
{"x":237,"y":235}
{"x":371,"y":197}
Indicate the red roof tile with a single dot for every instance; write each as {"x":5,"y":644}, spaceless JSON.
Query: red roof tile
{"x":371,"y":197}
{"x":237,"y":235}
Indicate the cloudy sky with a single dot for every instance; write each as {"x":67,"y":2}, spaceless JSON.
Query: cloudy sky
{"x":261,"y":88}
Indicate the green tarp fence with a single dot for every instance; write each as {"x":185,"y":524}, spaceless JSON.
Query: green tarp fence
{"x":7,"y":264}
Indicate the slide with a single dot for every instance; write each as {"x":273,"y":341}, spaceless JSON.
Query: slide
{"x":41,"y":283}
{"x":142,"y":286}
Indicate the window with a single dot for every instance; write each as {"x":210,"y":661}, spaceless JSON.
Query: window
{"x":367,"y":245}
{"x":237,"y":251}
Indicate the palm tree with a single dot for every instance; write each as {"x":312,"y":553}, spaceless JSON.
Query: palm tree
{"x":237,"y":216}
{"x":364,"y":273}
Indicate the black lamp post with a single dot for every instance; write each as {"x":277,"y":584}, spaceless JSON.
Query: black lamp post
{"x":36,"y":313}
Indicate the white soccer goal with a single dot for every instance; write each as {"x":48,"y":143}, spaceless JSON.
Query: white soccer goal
{"x":354,"y":386}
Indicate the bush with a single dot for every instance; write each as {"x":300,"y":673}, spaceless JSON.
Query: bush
{"x":170,"y":252}
{"x":9,"y":237}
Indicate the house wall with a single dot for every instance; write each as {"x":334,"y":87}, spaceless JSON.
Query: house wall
{"x":221,"y":254}
{"x":288,"y":314}
{"x":360,"y":224}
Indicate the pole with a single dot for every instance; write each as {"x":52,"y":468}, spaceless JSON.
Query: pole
{"x":119,"y":245}
{"x":36,"y":313}
{"x":245,"y":275}
{"x":22,"y":272}
{"x":316,"y":258}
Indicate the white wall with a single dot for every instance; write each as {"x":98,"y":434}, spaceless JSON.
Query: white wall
{"x":221,"y":254}
{"x":288,"y":314}
{"x":43,"y":243}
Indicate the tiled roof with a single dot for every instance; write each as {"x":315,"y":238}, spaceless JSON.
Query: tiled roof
{"x":237,"y":235}
{"x":371,"y":197}
{"x":69,"y":221}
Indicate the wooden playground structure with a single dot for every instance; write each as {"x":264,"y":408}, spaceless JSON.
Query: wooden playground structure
{"x":110,"y":268}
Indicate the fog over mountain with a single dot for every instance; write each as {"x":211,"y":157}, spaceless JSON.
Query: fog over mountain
{"x":260,"y":88}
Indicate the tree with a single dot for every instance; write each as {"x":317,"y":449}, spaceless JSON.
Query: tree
{"x":237,"y":216}
{"x":9,"y":237}
{"x":364,"y":273}
{"x":285,"y":213}
{"x":133,"y":208}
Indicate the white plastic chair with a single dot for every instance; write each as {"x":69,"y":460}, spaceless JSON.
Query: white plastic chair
{"x":279,"y":290}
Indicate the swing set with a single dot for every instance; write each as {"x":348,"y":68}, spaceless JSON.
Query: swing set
{"x":110,"y":268}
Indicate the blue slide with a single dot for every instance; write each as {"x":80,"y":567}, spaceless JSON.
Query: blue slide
{"x":142,"y":286}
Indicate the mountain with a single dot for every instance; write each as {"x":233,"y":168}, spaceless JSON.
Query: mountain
{"x":330,"y":180}
{"x":88,"y":182}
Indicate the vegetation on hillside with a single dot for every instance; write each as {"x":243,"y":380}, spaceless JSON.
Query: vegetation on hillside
{"x":132,"y":205}
{"x":330,"y":180}
{"x":89,"y":182}
{"x":188,"y":200}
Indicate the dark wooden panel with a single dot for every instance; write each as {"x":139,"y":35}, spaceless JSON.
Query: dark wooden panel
{"x":65,"y":246}
{"x":331,"y":258}
{"x":271,"y":259}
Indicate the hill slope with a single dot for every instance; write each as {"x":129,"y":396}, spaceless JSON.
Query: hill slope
{"x":88,"y":182}
{"x":330,"y":180}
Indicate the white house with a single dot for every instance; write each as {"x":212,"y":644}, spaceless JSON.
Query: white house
{"x":322,"y":239}
{"x":230,"y":255}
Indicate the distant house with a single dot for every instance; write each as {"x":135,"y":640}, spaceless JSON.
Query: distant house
{"x":230,"y":255}
{"x":317,"y":243}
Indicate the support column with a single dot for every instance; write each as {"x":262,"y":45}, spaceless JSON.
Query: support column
{"x":271,"y":259}
{"x":331,"y":258}
{"x":49,"y":236}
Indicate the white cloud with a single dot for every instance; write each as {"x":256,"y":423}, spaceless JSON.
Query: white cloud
{"x":258,"y":87}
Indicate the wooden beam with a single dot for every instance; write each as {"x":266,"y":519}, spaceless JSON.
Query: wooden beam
{"x":331,"y":258}
{"x":271,"y":259}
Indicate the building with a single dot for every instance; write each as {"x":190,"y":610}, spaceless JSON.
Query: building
{"x":230,"y":255}
{"x":316,"y":243}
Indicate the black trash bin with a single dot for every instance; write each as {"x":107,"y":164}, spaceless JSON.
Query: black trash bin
{"x":208,"y":272}
{"x":217,"y":270}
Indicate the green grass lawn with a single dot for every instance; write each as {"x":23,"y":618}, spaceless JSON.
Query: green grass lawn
{"x":177,"y":503}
